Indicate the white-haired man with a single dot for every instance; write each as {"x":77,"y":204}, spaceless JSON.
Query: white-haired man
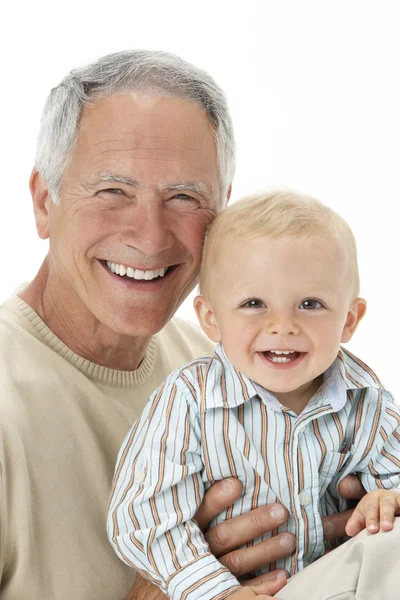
{"x":135,"y":157}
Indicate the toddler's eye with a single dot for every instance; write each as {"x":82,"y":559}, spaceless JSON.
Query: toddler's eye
{"x":253,"y":303}
{"x":310,"y":304}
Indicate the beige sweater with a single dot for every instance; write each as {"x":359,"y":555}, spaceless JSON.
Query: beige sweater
{"x":62,"y":421}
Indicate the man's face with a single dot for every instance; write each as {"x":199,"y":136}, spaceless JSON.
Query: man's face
{"x":281,"y":308}
{"x":139,"y":191}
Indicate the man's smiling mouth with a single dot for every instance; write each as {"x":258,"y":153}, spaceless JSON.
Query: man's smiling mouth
{"x":137,"y":274}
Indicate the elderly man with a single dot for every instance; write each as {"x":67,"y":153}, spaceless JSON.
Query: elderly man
{"x":135,"y":157}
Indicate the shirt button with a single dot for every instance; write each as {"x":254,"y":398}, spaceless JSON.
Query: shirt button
{"x":304,"y":498}
{"x":140,"y":476}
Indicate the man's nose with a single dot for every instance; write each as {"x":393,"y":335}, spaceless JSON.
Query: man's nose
{"x":147,"y":228}
{"x":281,"y":323}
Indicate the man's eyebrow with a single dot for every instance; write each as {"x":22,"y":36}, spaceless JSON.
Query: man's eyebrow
{"x":184,"y":186}
{"x":191,"y":186}
{"x":114,"y":178}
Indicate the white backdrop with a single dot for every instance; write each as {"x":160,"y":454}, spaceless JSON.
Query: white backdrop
{"x":313,"y":88}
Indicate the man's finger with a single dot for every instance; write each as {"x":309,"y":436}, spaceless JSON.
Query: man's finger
{"x":237,"y":531}
{"x":144,"y":589}
{"x":350,"y":488}
{"x":271,"y":576}
{"x":216,"y":499}
{"x":335,"y":525}
{"x":269,"y":588}
{"x":242,"y":561}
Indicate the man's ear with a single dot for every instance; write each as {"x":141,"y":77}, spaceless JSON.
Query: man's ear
{"x":206,"y":318}
{"x":356,"y":312}
{"x":228,"y":195}
{"x":41,"y":201}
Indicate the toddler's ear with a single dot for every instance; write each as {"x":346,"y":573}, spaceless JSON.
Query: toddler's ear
{"x":356,"y":312}
{"x":206,"y":317}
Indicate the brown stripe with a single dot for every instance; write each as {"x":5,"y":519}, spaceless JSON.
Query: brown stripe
{"x":375,"y":423}
{"x":185,"y":447}
{"x":209,"y":577}
{"x":243,"y":386}
{"x":359,"y":414}
{"x":393,"y":414}
{"x":206,"y":456}
{"x":131,"y":480}
{"x":150,"y":542}
{"x":190,"y":543}
{"x":390,"y":457}
{"x":264,"y":434}
{"x":172,"y":549}
{"x":123,"y":457}
{"x":163,"y":441}
{"x":339,"y":427}
{"x":320,"y":441}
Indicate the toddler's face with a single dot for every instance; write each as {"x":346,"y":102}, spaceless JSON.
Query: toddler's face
{"x":281,"y":309}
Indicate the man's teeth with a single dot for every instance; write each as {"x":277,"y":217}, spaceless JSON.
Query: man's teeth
{"x":136,"y":273}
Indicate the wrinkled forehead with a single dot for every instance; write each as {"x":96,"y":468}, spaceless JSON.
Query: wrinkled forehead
{"x":156,"y":138}
{"x":140,"y":114}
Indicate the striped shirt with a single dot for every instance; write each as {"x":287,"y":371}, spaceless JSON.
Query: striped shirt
{"x":207,"y":422}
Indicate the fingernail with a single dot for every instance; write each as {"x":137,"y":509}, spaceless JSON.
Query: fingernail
{"x":329,"y":528}
{"x":277,"y":512}
{"x":281,"y":575}
{"x":352,"y":485}
{"x":227,"y":486}
{"x":286,"y":542}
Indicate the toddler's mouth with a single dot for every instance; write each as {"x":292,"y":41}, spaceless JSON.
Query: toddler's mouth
{"x":281,"y":356}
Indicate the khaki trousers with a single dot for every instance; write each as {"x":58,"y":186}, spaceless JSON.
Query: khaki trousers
{"x":367,"y":567}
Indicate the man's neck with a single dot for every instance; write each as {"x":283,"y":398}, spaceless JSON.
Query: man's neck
{"x":79,"y":329}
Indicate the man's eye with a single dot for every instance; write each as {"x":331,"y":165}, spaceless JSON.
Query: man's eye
{"x":311,"y":304}
{"x":253,"y":303}
{"x":111,"y":191}
{"x":185,"y":198}
{"x":183,"y":202}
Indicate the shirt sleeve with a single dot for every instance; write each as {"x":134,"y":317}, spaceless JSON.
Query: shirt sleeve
{"x":156,"y":491}
{"x":381,"y":467}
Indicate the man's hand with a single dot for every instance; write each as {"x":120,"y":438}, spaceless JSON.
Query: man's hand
{"x":144,"y":590}
{"x":334,"y":526}
{"x":226,"y":537}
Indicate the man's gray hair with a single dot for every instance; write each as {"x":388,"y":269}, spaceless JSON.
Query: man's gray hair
{"x":156,"y":72}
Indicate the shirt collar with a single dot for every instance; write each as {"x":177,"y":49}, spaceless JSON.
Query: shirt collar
{"x":347,"y":372}
{"x":332,"y":393}
{"x":355,"y":373}
{"x":228,"y":386}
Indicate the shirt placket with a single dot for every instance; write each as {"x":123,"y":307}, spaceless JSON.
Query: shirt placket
{"x":305,"y":480}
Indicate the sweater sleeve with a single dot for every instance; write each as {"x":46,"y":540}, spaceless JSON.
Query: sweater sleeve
{"x":381,"y":467}
{"x":156,"y":491}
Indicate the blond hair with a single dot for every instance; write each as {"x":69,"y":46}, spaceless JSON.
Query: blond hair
{"x":279,"y":214}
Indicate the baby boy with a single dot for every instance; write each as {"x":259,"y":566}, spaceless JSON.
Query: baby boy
{"x":281,"y":405}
